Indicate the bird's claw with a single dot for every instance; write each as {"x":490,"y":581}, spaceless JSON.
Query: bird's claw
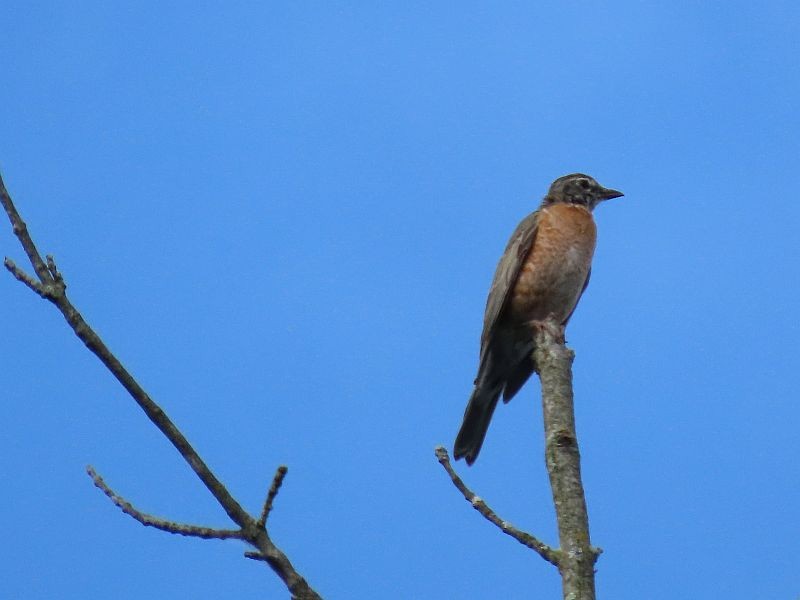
{"x":556,"y":331}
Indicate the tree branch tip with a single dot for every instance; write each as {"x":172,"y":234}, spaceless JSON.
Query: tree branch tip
{"x":52,"y":268}
{"x":277,"y":482}
{"x":14,"y":269}
{"x":11,"y":266}
{"x":21,"y":276}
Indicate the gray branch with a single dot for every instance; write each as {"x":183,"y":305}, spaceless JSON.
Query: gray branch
{"x":206,"y":533}
{"x":52,"y":287}
{"x":277,"y":482}
{"x":577,"y":556}
{"x":478,"y":503}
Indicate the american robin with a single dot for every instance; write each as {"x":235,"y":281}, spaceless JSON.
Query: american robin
{"x":542,"y":274}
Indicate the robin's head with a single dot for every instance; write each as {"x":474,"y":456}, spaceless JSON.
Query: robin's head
{"x":578,"y":189}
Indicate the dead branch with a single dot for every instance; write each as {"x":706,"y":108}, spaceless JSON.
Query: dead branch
{"x":576,"y":565}
{"x":206,"y":533}
{"x":524,"y":538}
{"x":52,"y":287}
{"x":576,"y":557}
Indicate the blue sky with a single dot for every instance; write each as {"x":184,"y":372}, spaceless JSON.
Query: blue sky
{"x":284,"y":219}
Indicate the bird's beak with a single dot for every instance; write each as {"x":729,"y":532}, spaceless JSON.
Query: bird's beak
{"x":608,"y":194}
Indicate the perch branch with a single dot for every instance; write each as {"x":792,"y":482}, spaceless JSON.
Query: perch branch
{"x":52,"y":287}
{"x":526,"y":539}
{"x":577,"y":556}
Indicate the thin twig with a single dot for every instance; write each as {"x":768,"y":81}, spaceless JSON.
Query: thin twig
{"x":524,"y":538}
{"x":52,"y":269}
{"x":21,"y":231}
{"x":53,"y":288}
{"x":277,"y":481}
{"x":22,"y":276}
{"x":157,"y":522}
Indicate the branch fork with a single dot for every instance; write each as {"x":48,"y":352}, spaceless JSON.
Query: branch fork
{"x":576,"y":557}
{"x":50,"y":285}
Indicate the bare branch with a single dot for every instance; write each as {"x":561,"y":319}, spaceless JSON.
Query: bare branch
{"x":53,"y":288}
{"x":277,"y":481}
{"x":554,"y":363}
{"x":526,"y":539}
{"x":21,"y":231}
{"x":576,"y":557}
{"x":158,"y":523}
{"x":22,"y":276}
{"x":51,"y":278}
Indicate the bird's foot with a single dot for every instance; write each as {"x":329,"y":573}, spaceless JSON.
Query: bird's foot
{"x":552,"y":327}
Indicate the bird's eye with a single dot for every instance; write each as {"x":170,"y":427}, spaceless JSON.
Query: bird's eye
{"x":584,"y":183}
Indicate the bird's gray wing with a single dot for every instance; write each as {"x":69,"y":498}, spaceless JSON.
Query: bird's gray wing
{"x":506,"y":274}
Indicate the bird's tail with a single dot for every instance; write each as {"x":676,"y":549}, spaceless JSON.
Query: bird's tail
{"x":479,"y":412}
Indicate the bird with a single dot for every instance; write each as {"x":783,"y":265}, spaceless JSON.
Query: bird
{"x":542,"y":274}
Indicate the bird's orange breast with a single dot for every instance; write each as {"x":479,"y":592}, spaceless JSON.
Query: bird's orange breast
{"x":554,"y":272}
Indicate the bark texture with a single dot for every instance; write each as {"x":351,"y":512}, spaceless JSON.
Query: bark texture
{"x":576,"y":554}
